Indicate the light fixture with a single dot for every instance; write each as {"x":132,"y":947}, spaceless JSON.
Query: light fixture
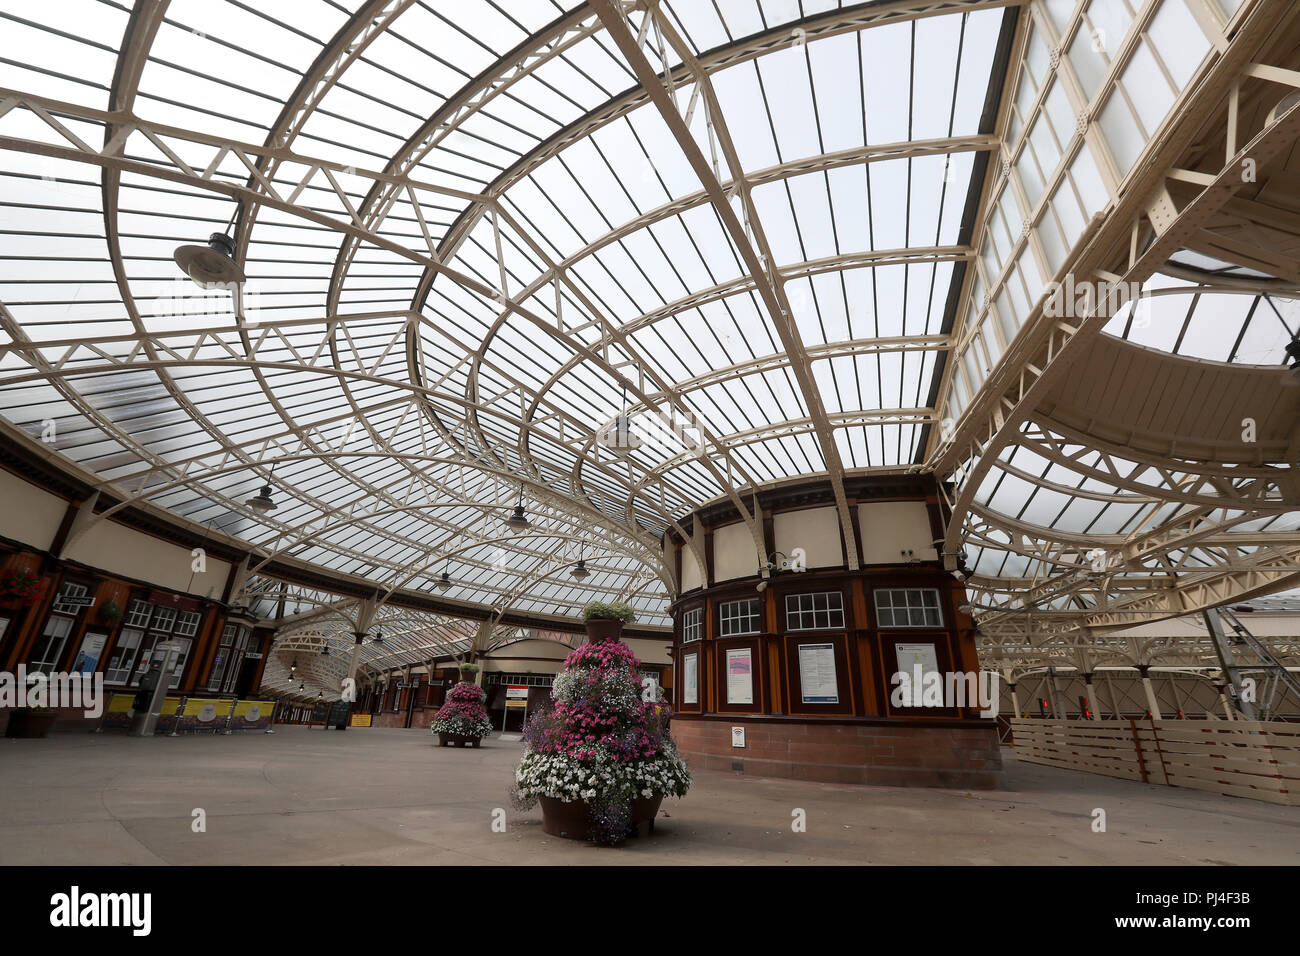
{"x":580,"y":569}
{"x":325,"y":651}
{"x":962,"y":573}
{"x":443,"y":582}
{"x":212,"y":266}
{"x":379,"y":636}
{"x":262,"y":501}
{"x":518,"y":521}
{"x":1293,"y":356}
{"x":616,"y":434}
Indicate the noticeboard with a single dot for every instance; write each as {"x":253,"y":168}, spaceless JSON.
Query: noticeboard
{"x":339,"y":713}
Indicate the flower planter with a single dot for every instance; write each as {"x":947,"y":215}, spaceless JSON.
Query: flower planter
{"x":572,"y":820}
{"x":459,"y":740}
{"x":30,"y":724}
{"x":604,"y":630}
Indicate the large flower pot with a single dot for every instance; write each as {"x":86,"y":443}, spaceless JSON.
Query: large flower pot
{"x":604,"y":630}
{"x":572,"y":820}
{"x":30,"y":723}
{"x":459,"y":740}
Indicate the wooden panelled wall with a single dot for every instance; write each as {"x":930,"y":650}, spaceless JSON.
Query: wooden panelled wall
{"x":864,"y":652}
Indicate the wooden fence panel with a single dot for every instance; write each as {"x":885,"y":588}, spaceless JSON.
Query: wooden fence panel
{"x":1254,"y":759}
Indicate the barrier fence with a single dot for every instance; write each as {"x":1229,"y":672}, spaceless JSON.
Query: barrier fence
{"x":1259,"y":760}
{"x":192,"y":715}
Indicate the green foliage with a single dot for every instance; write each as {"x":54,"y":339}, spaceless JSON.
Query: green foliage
{"x":608,"y":611}
{"x":111,"y":611}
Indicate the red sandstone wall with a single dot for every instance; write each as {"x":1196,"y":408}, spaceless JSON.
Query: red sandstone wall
{"x":894,"y":756}
{"x":389,"y":719}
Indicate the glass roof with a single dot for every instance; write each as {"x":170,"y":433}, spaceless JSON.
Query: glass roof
{"x":473,"y":242}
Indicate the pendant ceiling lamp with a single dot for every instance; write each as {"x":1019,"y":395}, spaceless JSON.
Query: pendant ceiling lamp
{"x":518,"y":521}
{"x":617,"y":434}
{"x":212,"y":266}
{"x":580,"y":569}
{"x":262,"y":501}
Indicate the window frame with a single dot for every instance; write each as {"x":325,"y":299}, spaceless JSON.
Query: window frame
{"x":756,"y":615}
{"x":693,"y":622}
{"x":883,"y":600}
{"x":830,"y":612}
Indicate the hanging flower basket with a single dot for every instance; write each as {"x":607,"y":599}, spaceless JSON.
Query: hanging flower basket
{"x":110,"y":612}
{"x":601,"y":761}
{"x":22,"y":587}
{"x":463,"y":719}
{"x":605,"y":620}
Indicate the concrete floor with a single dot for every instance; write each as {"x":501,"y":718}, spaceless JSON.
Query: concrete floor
{"x":389,"y":796}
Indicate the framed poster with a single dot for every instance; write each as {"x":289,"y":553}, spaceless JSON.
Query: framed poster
{"x":740,"y":676}
{"x":92,"y":645}
{"x":691,"y":679}
{"x":916,"y":661}
{"x":817,"y":678}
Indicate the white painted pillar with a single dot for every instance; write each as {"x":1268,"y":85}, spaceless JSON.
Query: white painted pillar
{"x":1152,"y":704}
{"x":1223,"y":701}
{"x":1092,"y":696}
{"x":1058,"y":707}
{"x":355,"y":660}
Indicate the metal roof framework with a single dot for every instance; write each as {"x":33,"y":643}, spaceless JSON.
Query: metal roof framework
{"x":784,"y":238}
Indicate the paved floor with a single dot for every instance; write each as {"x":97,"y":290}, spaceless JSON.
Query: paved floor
{"x":389,"y":796}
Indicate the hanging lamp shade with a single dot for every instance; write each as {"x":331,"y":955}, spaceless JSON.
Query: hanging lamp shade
{"x":212,"y":266}
{"x":1293,"y":358}
{"x":617,"y":435}
{"x":262,"y":501}
{"x":443,"y":582}
{"x":518,"y":521}
{"x":579,"y":570}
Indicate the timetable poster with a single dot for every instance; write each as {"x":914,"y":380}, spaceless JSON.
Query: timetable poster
{"x":740,"y":676}
{"x":916,"y":661}
{"x":817,"y":674}
{"x":690,"y":679}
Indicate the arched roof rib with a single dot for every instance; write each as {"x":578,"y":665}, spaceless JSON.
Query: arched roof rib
{"x":807,"y":233}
